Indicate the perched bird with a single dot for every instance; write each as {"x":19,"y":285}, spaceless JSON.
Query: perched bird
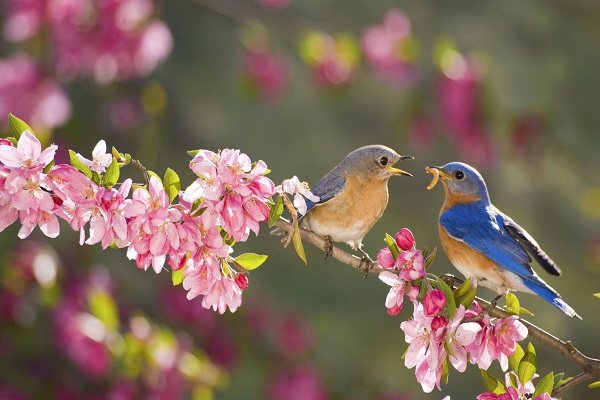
{"x":485,"y":244}
{"x":352,"y":197}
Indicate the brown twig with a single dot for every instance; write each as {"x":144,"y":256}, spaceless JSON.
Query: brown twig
{"x":142,"y":169}
{"x":590,"y":366}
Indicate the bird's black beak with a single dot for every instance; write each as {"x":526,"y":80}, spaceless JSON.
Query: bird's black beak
{"x":398,"y":171}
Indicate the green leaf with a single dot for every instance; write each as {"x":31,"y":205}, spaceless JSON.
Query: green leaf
{"x":117,"y":155}
{"x":391,"y":244}
{"x":97,"y":178}
{"x":154,"y":174}
{"x":102,"y":306}
{"x":430,"y":258}
{"x":597,"y":295}
{"x":48,"y":167}
{"x":463,"y":289}
{"x":250,"y":261}
{"x":594,"y":385}
{"x":14,"y":141}
{"x":18,"y":126}
{"x":515,"y":359}
{"x":492,"y":383}
{"x":445,"y":370}
{"x":527,"y":366}
{"x":450,"y":304}
{"x":276,"y":211}
{"x":297,"y":240}
{"x":111,"y":176}
{"x":523,"y":310}
{"x":193,"y":152}
{"x":467,"y":299}
{"x":172,"y":184}
{"x":512,"y":303}
{"x":513,"y":381}
{"x":545,"y":385}
{"x":79,"y":166}
{"x":177,"y":277}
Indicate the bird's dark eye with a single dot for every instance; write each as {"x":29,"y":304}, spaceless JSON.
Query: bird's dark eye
{"x":383,"y":161}
{"x":459,"y":175}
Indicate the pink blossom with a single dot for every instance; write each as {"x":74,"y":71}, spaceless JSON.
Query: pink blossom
{"x":299,"y":190}
{"x":458,"y":336}
{"x":28,"y":155}
{"x":433,"y":302}
{"x":100,"y":159}
{"x":334,"y":60}
{"x":385,"y":258}
{"x":411,"y":265}
{"x":387,"y":48}
{"x":522,"y":391}
{"x":153,"y":234}
{"x":399,"y":287}
{"x":405,"y":239}
{"x":425,"y":351}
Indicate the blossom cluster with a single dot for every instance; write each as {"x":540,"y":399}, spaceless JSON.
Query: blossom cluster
{"x":105,"y":39}
{"x":437,"y":335}
{"x":225,"y":203}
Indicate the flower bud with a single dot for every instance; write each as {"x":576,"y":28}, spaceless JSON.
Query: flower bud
{"x":405,"y":239}
{"x":395,"y":309}
{"x":385,"y":258}
{"x":242,"y":281}
{"x":438,"y":322}
{"x":433,"y":302}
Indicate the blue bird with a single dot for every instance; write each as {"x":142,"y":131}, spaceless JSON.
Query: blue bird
{"x":485,"y":244}
{"x":352,"y":197}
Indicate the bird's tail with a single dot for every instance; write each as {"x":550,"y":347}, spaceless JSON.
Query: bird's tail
{"x":540,"y":288}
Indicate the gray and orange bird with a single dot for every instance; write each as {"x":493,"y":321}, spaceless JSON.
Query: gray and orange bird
{"x":353,"y":197}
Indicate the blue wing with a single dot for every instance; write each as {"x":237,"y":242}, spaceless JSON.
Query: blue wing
{"x":330,"y":186}
{"x":482,"y":227}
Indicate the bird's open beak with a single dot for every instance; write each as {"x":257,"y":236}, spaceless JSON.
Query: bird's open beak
{"x":435,"y":170}
{"x":398,"y":171}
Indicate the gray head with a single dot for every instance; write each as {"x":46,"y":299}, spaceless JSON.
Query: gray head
{"x":374,"y":160}
{"x":462,"y":181}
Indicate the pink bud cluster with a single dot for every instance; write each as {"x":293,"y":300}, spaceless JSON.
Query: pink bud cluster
{"x":435,"y":337}
{"x":225,"y":203}
{"x":408,"y":266}
{"x":105,"y":39}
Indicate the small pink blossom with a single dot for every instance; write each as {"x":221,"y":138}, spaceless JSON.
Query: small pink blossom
{"x":522,"y":391}
{"x":267,"y":72}
{"x":395,"y":297}
{"x":458,"y":336}
{"x":299,"y":190}
{"x":100,"y":159}
{"x":411,"y":265}
{"x":433,"y":302}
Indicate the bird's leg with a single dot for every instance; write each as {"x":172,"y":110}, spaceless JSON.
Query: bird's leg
{"x":328,"y":247}
{"x":495,"y":300}
{"x":365,"y":263}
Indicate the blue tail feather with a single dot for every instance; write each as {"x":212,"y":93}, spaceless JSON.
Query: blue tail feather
{"x":547,"y":293}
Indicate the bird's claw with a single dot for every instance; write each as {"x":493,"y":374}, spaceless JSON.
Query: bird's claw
{"x":365,"y":265}
{"x":328,"y":247}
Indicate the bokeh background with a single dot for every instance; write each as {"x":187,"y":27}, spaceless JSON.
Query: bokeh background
{"x":511,"y":87}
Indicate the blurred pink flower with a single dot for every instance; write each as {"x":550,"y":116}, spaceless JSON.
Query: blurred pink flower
{"x":26,"y":92}
{"x":274,"y":4}
{"x":459,"y":96}
{"x":301,"y":383}
{"x":387,"y":48}
{"x":267,"y":72}
{"x":294,"y":336}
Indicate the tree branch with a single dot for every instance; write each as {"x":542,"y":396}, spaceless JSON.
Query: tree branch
{"x":590,"y":366}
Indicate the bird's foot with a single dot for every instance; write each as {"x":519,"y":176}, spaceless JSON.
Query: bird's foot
{"x":328,"y":247}
{"x":494,"y":301}
{"x":366,"y":263}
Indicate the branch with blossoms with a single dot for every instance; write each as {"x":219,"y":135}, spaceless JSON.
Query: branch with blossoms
{"x":193,"y":231}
